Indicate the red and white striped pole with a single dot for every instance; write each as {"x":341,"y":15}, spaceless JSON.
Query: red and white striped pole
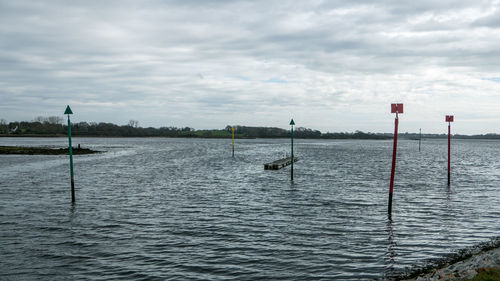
{"x":395,"y":108}
{"x":449,"y":119}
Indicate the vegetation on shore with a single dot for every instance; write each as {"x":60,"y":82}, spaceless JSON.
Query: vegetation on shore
{"x":488,"y":274}
{"x":54,"y":127}
{"x":43,"y":150}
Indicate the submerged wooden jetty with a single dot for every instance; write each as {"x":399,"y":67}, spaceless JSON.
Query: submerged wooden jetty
{"x":278,"y":164}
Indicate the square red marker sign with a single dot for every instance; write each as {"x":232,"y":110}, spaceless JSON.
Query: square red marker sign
{"x":397,"y":108}
{"x":449,"y":118}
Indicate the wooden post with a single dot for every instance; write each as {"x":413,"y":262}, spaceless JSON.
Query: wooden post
{"x":419,"y":140}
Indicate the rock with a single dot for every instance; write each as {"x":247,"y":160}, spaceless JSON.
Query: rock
{"x":469,"y":274}
{"x":466,"y":269}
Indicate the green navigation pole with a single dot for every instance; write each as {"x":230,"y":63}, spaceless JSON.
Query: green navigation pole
{"x":68,"y":112}
{"x":292,"y":124}
{"x":419,"y":140}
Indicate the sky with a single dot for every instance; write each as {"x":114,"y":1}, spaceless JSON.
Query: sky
{"x":334,"y":66}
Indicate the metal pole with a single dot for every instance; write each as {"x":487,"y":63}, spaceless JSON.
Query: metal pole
{"x":449,"y":151}
{"x":232,"y":129}
{"x":71,"y":162}
{"x":291,"y":175}
{"x":393,"y":168}
{"x":419,"y":140}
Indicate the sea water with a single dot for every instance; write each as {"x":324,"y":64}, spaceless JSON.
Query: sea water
{"x":184,"y":209}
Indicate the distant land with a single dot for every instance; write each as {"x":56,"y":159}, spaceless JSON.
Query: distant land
{"x":53,"y":127}
{"x":44,"y":150}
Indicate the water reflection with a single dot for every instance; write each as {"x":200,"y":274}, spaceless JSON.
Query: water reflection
{"x":391,"y":254}
{"x":448,"y":219}
{"x":72,"y":211}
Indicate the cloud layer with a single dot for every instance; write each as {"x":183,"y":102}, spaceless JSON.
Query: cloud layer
{"x":331,"y":65}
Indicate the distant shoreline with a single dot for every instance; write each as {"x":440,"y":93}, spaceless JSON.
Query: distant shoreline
{"x":376,"y":137}
{"x":54,"y":128}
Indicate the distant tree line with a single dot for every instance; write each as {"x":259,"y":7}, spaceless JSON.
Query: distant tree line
{"x":54,"y":126}
{"x":301,"y":132}
{"x":40,"y":126}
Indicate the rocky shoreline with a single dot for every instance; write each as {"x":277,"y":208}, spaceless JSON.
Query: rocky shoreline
{"x":463,"y":266}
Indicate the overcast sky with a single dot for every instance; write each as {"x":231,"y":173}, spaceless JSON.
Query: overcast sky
{"x":331,"y":65}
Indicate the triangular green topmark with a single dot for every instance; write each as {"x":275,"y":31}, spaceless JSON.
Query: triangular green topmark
{"x":68,"y":110}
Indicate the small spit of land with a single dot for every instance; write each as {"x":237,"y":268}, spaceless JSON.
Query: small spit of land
{"x":43,"y":150}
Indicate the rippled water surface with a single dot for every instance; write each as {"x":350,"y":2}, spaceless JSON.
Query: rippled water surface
{"x":184,"y":209}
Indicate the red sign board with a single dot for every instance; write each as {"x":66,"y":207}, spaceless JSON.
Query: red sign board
{"x":449,"y":118}
{"x":397,"y":108}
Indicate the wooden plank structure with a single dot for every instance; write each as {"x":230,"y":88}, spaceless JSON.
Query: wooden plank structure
{"x":278,"y":164}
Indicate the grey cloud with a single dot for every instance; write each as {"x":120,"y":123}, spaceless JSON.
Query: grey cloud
{"x":492,"y":20}
{"x":149,"y":55}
